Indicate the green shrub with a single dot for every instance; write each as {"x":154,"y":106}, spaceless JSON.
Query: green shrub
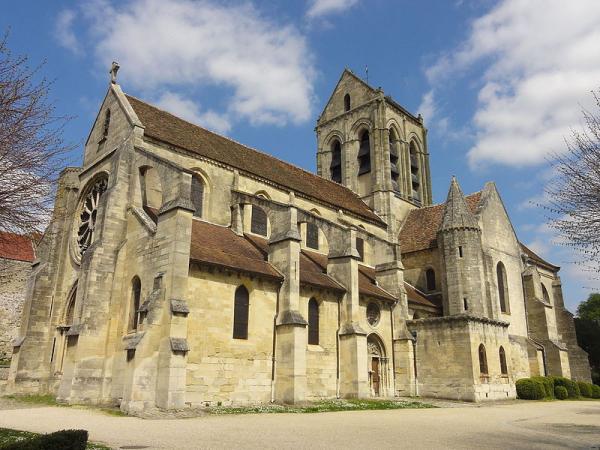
{"x":560,"y":392}
{"x":571,"y":386}
{"x":548,"y":383}
{"x":595,"y":391}
{"x":59,"y":440}
{"x":585,"y":389}
{"x":529,"y":389}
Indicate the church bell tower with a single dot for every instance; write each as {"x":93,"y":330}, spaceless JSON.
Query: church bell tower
{"x":372,"y":145}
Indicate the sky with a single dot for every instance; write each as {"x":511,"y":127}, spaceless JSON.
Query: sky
{"x":500,"y":84}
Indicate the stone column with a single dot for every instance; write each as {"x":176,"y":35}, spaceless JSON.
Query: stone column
{"x":343,"y":267}
{"x":290,"y":352}
{"x":390,"y":276}
{"x":350,"y":164}
{"x":174,"y":232}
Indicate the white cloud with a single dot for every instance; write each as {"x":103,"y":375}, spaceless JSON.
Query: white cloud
{"x":64,"y":31}
{"x":541,"y":60}
{"x":428,"y":108}
{"x":190,"y":111}
{"x":171,"y":45}
{"x":320,"y":8}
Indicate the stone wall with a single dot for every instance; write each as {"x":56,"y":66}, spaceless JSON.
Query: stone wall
{"x":448,"y":359}
{"x":13,"y":281}
{"x":220,"y":368}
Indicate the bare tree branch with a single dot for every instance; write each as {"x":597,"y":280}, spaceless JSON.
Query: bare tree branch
{"x":32,"y":149}
{"x":574,"y":193}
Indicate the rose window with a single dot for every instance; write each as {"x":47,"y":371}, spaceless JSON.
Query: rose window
{"x":373,"y":314}
{"x":88,"y":217}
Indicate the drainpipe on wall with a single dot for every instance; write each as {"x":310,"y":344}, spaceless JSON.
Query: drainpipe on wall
{"x":414,"y":335}
{"x":337,"y":355}
{"x":274,"y":345}
{"x":393,"y":353}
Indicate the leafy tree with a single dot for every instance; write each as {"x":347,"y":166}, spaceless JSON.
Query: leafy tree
{"x":590,"y":309}
{"x":587,"y":326}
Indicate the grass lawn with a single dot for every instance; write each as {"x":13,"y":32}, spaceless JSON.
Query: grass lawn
{"x":322,"y":406}
{"x":8,"y":436}
{"x":50,"y":400}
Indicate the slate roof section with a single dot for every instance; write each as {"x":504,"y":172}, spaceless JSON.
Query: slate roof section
{"x":221,"y":247}
{"x":16,"y":247}
{"x":536,"y":258}
{"x":170,"y":129}
{"x":421,"y":226}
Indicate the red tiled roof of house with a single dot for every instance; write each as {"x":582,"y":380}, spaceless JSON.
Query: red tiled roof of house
{"x":420,"y":228}
{"x":16,"y":247}
{"x":168,"y":128}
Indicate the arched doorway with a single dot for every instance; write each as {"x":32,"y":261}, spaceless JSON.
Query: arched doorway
{"x":378,"y":366}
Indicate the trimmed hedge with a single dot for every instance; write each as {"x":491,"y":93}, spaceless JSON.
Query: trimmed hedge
{"x":59,"y":440}
{"x":571,"y":386}
{"x":595,"y":391}
{"x":548,"y":383}
{"x":585,"y":389}
{"x":529,"y":389}
{"x":560,"y":392}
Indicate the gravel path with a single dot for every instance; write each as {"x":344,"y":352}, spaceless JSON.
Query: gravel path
{"x":516,"y":425}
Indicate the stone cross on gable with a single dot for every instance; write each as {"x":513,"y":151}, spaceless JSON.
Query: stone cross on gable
{"x":113,"y":72}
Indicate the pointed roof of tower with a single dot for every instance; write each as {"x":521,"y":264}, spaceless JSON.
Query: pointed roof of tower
{"x":456,"y":213}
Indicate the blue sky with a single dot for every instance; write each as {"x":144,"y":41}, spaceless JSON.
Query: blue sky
{"x":500,"y":84}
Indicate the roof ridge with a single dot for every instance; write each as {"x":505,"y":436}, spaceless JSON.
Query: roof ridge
{"x":255,"y":150}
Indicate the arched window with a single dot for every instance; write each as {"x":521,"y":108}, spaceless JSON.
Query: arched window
{"x":394,"y":157}
{"x":364,"y":154}
{"x":430,"y":278}
{"x":483,"y":367}
{"x":105,"y":127}
{"x":313,"y":322}
{"x":347,"y":102}
{"x":312,"y":236}
{"x":415,"y":174}
{"x":503,"y":367}
{"x":336,"y":162}
{"x":197,"y":195}
{"x":259,"y":221}
{"x":545,"y":294}
{"x":360,"y":248}
{"x":240,"y":313}
{"x":136,"y":291}
{"x":502,"y":287}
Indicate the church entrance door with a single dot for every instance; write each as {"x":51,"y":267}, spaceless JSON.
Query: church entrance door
{"x":375,"y":375}
{"x":377,"y":366}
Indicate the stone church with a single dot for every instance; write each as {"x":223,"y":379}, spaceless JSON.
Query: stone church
{"x":182,"y":268}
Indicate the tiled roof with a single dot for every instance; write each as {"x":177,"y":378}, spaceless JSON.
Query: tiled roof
{"x":16,"y":247}
{"x":168,"y":128}
{"x":219,"y":246}
{"x":416,"y":296}
{"x":311,"y":272}
{"x":536,"y":258}
{"x":420,"y":228}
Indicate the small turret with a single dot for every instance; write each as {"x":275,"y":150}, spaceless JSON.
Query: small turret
{"x":457,"y":214}
{"x":459,"y":238}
